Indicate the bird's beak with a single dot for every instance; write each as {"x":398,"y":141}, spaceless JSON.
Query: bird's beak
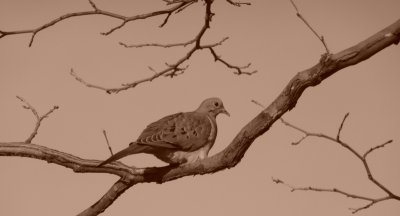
{"x":223,"y":110}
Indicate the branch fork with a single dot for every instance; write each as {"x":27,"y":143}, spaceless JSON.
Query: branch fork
{"x":39,"y":119}
{"x":371,"y":201}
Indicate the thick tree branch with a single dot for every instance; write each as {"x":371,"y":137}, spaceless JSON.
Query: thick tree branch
{"x":372,"y":201}
{"x":235,"y":151}
{"x":97,"y":11}
{"x":108,"y":198}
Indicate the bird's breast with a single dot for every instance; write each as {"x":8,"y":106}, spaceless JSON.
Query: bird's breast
{"x":180,"y":157}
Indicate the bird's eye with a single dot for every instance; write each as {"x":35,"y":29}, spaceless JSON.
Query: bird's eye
{"x":216,"y":104}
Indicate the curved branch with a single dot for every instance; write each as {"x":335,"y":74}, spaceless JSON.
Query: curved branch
{"x":39,"y":119}
{"x":97,"y":11}
{"x":239,"y":70}
{"x":108,"y":199}
{"x":372,"y":201}
{"x":77,"y":164}
{"x":175,"y":69}
{"x":235,"y":151}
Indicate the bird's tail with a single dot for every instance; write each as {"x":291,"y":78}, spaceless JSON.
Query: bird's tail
{"x":133,"y":148}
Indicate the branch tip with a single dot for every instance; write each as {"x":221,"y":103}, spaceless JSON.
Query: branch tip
{"x":39,"y":119}
{"x":362,"y":158}
{"x":341,"y":126}
{"x":108,"y":143}
{"x":321,"y":38}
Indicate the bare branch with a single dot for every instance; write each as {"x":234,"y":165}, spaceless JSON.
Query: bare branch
{"x":341,"y":126}
{"x":390,"y":195}
{"x":321,"y":38}
{"x":332,"y":190}
{"x":184,"y":44}
{"x":79,"y":79}
{"x":239,"y":69}
{"x":178,"y":1}
{"x":108,"y":143}
{"x":114,"y":28}
{"x":238,"y":4}
{"x":174,"y":69}
{"x":108,"y":198}
{"x":258,"y":103}
{"x":371,"y":201}
{"x":93,"y":5}
{"x":376,"y":147}
{"x":39,"y":119}
{"x":96,"y":11}
{"x":234,"y":152}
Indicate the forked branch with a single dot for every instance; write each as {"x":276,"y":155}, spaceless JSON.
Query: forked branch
{"x":371,"y":201}
{"x":97,"y":11}
{"x":39,"y":119}
{"x":175,"y":69}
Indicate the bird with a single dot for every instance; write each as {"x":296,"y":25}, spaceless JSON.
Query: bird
{"x":180,"y":138}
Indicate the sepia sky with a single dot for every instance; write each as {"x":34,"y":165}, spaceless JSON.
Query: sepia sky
{"x":267,"y":34}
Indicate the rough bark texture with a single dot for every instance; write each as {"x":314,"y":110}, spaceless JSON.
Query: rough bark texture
{"x":234,"y":152}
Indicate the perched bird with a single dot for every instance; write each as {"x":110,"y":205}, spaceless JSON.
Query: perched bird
{"x":183,"y":137}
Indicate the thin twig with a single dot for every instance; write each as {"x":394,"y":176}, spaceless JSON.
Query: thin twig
{"x":258,"y":103}
{"x":184,"y":44}
{"x":371,"y":201}
{"x":108,"y":143}
{"x":376,"y":147}
{"x":79,"y":79}
{"x":321,"y":38}
{"x":390,"y":194}
{"x":97,"y":11}
{"x":38,"y":118}
{"x":341,"y":126}
{"x":239,"y":69}
{"x":175,"y":69}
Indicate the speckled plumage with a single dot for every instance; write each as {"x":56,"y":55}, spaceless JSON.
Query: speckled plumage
{"x":179,"y":138}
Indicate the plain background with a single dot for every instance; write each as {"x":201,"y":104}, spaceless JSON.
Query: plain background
{"x":269,"y":35}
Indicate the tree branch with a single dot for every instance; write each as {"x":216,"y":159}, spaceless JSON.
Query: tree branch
{"x":234,"y":152}
{"x":175,"y":69}
{"x":171,"y":70}
{"x":108,"y":143}
{"x":239,"y":69}
{"x":341,"y":126}
{"x":321,"y":38}
{"x":372,"y":201}
{"x":108,"y":198}
{"x":97,"y":11}
{"x":39,"y":119}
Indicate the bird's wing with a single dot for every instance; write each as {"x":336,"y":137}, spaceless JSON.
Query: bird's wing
{"x":181,"y":131}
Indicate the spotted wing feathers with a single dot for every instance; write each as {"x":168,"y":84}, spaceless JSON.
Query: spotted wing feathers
{"x":180,"y":131}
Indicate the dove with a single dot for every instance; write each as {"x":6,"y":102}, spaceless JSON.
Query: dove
{"x":180,"y":138}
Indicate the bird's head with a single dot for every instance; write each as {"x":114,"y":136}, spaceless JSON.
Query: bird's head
{"x":212,"y":106}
